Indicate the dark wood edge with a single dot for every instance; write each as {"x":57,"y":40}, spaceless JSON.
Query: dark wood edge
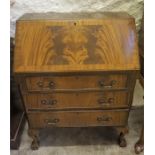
{"x":93,"y":126}
{"x":74,"y":73}
{"x":83,"y":110}
{"x":72,"y":90}
{"x":77,"y":109}
{"x":75,"y":91}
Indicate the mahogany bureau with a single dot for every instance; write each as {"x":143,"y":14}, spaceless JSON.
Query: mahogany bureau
{"x":76,"y":70}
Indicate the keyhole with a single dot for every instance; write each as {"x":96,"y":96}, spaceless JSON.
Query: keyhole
{"x":74,"y":24}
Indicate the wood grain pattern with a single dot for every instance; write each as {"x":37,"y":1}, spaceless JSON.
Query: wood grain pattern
{"x":78,"y":118}
{"x":75,"y":50}
{"x":59,"y":83}
{"x":115,"y":99}
{"x":76,"y":45}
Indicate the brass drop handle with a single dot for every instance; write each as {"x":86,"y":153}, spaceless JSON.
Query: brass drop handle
{"x":52,"y":121}
{"x":48,"y":102}
{"x":103,"y":101}
{"x":102,"y":84}
{"x":40,"y":84}
{"x":104,"y":119}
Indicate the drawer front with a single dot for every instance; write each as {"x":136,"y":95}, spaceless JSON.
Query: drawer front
{"x":113,"y":99}
{"x":76,"y":82}
{"x":78,"y":118}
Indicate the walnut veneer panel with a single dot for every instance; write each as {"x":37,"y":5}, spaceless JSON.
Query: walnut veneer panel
{"x":63,"y":45}
{"x":107,"y":99}
{"x":47,"y":83}
{"x":78,"y":118}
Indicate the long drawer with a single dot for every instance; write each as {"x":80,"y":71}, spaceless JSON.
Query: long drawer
{"x":50,"y":83}
{"x":105,"y":99}
{"x":78,"y":118}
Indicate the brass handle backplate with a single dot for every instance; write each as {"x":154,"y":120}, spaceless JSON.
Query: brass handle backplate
{"x":102,"y":84}
{"x":104,"y":119}
{"x":52,"y":121}
{"x":48,"y":102}
{"x":106,"y":101}
{"x":40,"y":84}
{"x":51,"y":84}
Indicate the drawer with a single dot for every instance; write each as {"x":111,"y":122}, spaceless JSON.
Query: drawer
{"x":107,"y":99}
{"x":78,"y":118}
{"x":48,"y":83}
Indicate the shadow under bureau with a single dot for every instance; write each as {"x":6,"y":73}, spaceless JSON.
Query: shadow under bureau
{"x":76,"y":70}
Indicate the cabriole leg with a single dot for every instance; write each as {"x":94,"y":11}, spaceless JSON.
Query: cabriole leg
{"x":34,"y":134}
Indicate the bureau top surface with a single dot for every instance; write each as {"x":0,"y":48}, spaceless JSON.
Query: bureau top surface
{"x":73,"y":42}
{"x":74,"y":15}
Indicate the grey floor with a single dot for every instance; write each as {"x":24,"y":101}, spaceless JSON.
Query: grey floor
{"x":87,"y":141}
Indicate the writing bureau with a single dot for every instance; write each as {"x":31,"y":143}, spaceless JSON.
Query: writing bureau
{"x":76,"y":70}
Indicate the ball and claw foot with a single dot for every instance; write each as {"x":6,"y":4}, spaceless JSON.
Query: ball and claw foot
{"x":35,"y":144}
{"x":139,"y":148}
{"x":122,"y":141}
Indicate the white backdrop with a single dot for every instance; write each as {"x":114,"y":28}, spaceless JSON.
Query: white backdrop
{"x":19,"y":7}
